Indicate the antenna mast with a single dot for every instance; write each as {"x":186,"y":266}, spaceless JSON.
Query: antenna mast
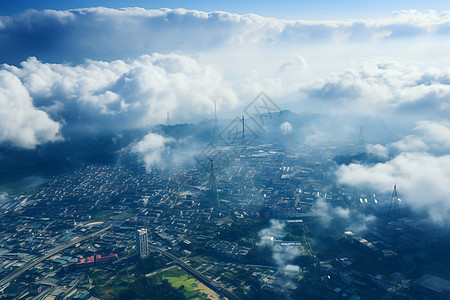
{"x":393,"y":217}
{"x":361,"y":141}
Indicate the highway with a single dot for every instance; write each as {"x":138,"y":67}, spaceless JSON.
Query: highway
{"x":202,"y":278}
{"x":50,"y":253}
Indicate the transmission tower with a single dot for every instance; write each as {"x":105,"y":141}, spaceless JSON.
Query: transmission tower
{"x":215,"y":125}
{"x":361,"y":141}
{"x":393,"y":217}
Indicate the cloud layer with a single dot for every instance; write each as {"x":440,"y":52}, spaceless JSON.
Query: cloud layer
{"x":107,"y":96}
{"x":68,"y":35}
{"x":21,"y":123}
{"x":99,"y":96}
{"x":116,"y":69}
{"x":420,"y":166}
{"x":385,"y":86}
{"x":151,"y":148}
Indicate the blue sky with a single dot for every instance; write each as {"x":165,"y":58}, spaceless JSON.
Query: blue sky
{"x":330,"y":9}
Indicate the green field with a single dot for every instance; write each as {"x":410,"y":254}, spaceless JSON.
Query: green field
{"x":185,"y":283}
{"x":103,"y":215}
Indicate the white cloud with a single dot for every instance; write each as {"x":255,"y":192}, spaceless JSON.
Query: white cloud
{"x":422,"y":180}
{"x":241,"y":55}
{"x":150,"y":148}
{"x":385,"y":86}
{"x":297,"y":62}
{"x":436,"y":134}
{"x":22,"y":124}
{"x":286,"y":128}
{"x":125,"y":94}
{"x":354,"y":220}
{"x":377,"y":150}
{"x":343,"y":212}
{"x":282,"y":255}
{"x":87,"y":32}
{"x":421,"y":171}
{"x":410,"y":143}
{"x":381,"y":34}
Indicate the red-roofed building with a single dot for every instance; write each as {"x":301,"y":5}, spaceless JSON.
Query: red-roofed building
{"x":91,"y":261}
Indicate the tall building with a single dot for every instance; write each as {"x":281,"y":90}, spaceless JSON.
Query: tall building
{"x":142,"y":242}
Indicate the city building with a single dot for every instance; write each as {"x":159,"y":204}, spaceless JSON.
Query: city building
{"x":91,"y":261}
{"x":432,"y":287}
{"x":142,"y":242}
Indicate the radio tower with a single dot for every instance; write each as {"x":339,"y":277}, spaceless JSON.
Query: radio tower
{"x":168,"y":119}
{"x":393,"y":219}
{"x":361,"y":141}
{"x":215,"y":125}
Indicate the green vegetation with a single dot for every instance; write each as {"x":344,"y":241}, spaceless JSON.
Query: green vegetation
{"x":303,"y":261}
{"x":324,"y":247}
{"x":103,"y":215}
{"x":150,"y":288}
{"x":323,"y":239}
{"x":261,"y":256}
{"x":248,"y":229}
{"x":294,"y":232}
{"x":134,"y":284}
{"x":150,"y":264}
{"x":184,"y":283}
{"x":238,"y":278}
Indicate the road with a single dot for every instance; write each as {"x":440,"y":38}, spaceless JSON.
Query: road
{"x":202,"y":278}
{"x":50,"y":253}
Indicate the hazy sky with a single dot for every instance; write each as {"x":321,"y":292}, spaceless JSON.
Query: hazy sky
{"x":107,"y":66}
{"x":280,"y":9}
{"x":95,"y":68}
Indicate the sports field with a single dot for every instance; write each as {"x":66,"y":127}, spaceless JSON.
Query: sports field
{"x":187,"y":284}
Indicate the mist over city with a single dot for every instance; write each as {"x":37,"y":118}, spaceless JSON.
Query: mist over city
{"x":224,"y":151}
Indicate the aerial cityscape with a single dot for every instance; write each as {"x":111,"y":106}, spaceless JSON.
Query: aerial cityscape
{"x":224,"y":151}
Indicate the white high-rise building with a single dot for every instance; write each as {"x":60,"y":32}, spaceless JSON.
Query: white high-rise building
{"x":142,"y":242}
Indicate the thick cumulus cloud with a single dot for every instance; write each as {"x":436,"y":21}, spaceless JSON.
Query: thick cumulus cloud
{"x":102,"y":78}
{"x":112,"y":96}
{"x":379,"y":85}
{"x":99,"y":96}
{"x":21,"y":123}
{"x":421,"y":170}
{"x":103,"y":33}
{"x":151,"y":148}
